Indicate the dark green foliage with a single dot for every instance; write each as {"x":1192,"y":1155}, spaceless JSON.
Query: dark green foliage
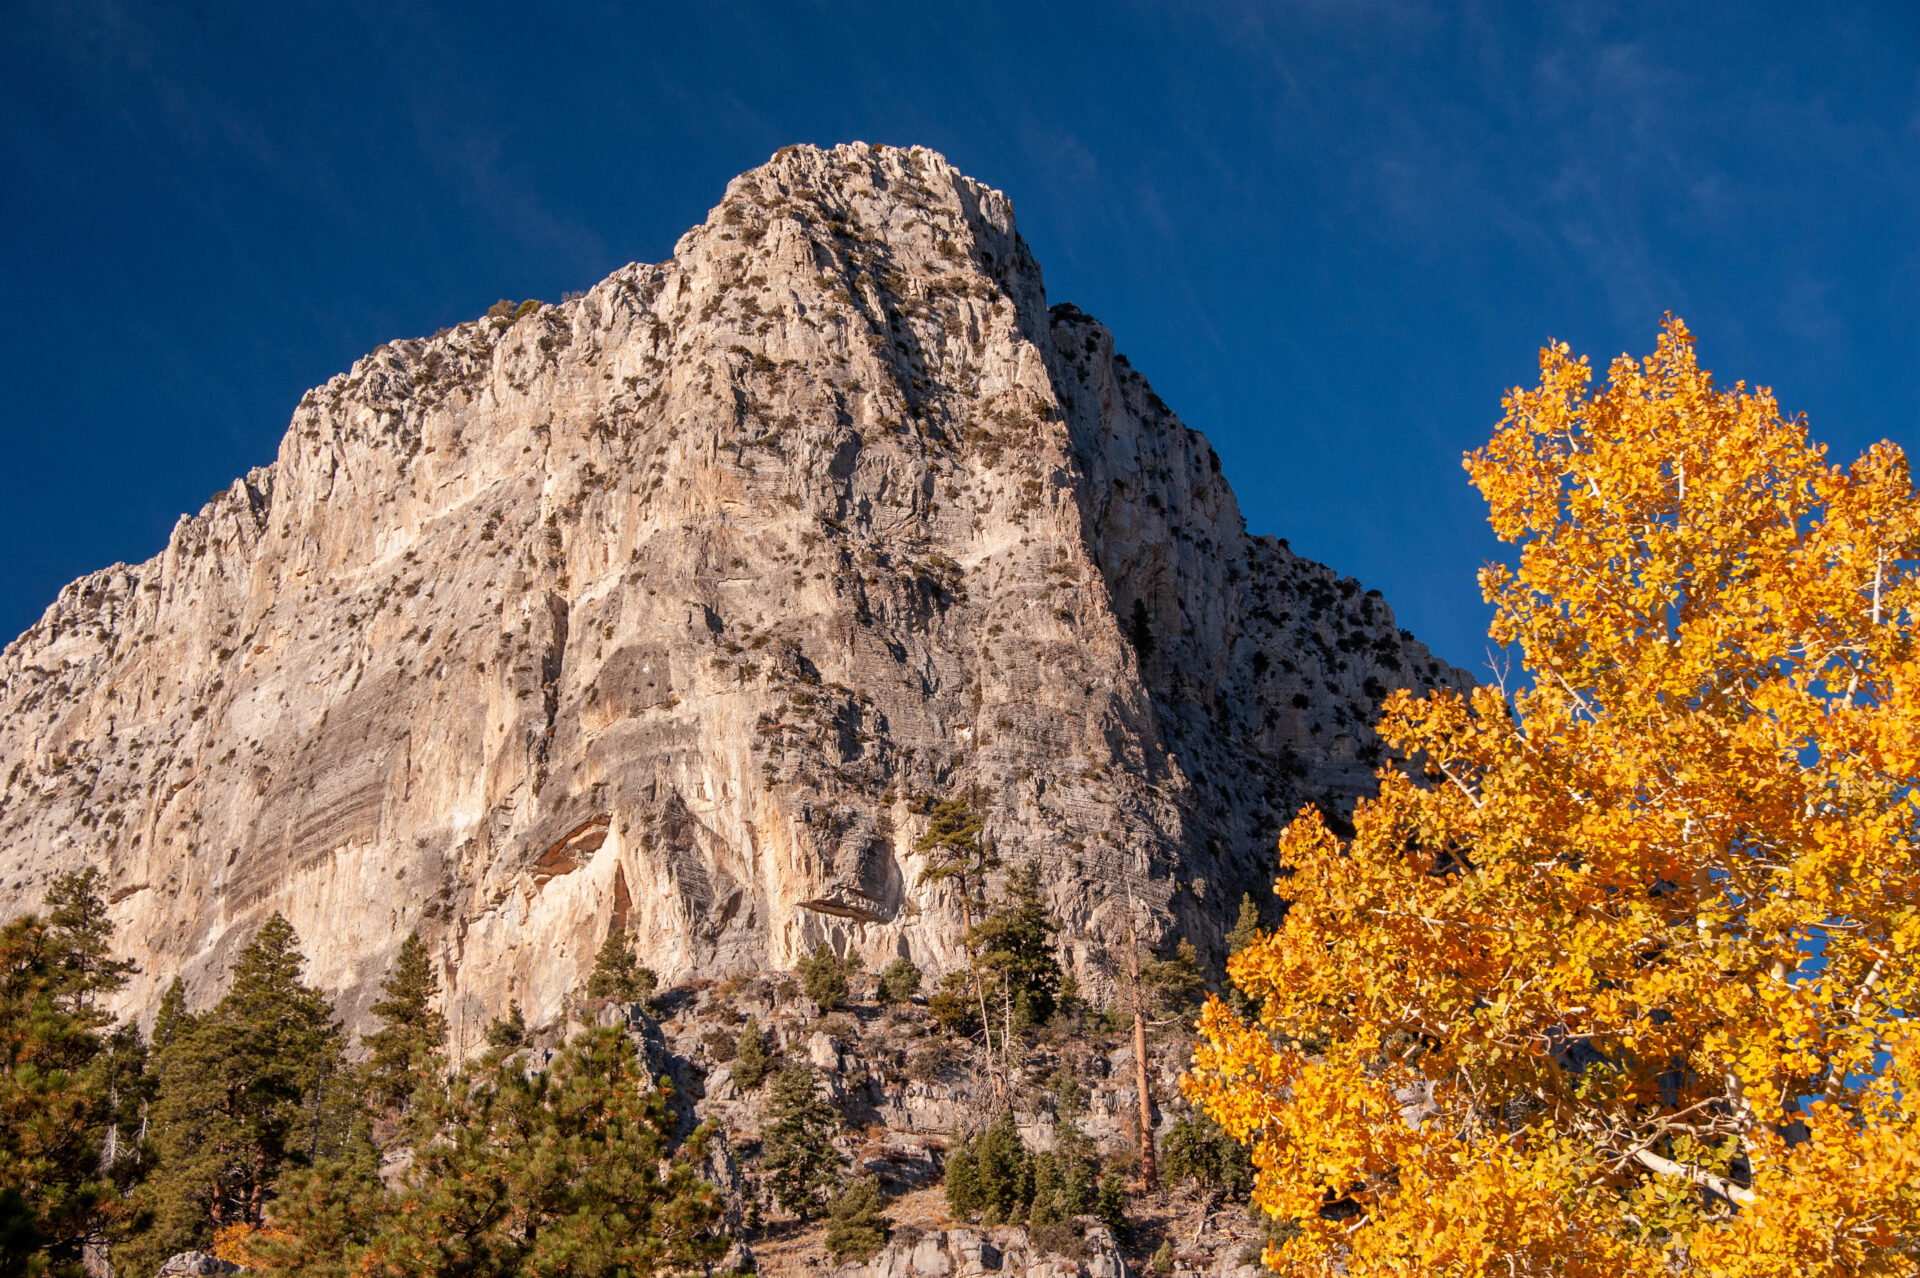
{"x":751,"y":1059}
{"x":64,"y":1083}
{"x":1110,"y":1205}
{"x":405,"y":1052}
{"x":823,"y":975}
{"x":856,"y":1224}
{"x":1014,"y":949}
{"x":954,"y":1007}
{"x":1140,"y":631}
{"x":1246,"y":930}
{"x":1162,"y":1260}
{"x":1174,"y":986}
{"x":82,"y":934}
{"x":557,"y":1173}
{"x":509,"y":310}
{"x":994,"y":1178}
{"x":255,"y":1084}
{"x":1066,"y":1178}
{"x":899,"y":981}
{"x":509,"y":1033}
{"x":953,"y":836}
{"x":617,"y":974}
{"x":797,"y":1143}
{"x":990,"y":1174}
{"x":1196,"y":1149}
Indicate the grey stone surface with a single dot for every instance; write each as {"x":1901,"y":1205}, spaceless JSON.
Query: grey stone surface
{"x":668,"y":603}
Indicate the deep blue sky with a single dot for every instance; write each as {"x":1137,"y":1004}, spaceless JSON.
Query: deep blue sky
{"x":1330,"y":232}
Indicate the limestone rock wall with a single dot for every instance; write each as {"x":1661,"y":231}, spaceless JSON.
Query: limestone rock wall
{"x":669,"y":604}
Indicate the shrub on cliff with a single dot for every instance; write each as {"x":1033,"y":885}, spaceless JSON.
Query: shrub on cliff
{"x":899,"y":981}
{"x":751,"y":1057}
{"x":989,"y":1175}
{"x":824,"y":976}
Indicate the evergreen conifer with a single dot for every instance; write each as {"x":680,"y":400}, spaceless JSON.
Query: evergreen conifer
{"x":823,"y":975}
{"x":617,"y":974}
{"x":565,"y":1171}
{"x":990,"y":1174}
{"x":899,"y":981}
{"x":856,"y":1222}
{"x":252,"y":1085}
{"x":751,"y":1059}
{"x":1014,"y":944}
{"x":1246,"y":930}
{"x":406,"y":1051}
{"x":510,"y":1033}
{"x":797,"y":1140}
{"x":58,"y":1075}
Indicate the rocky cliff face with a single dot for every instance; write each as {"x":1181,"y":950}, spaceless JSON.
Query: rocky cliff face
{"x":670,"y":603}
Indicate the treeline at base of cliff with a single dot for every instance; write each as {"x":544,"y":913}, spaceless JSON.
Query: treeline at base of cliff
{"x":243,"y":1130}
{"x":249,"y":1134}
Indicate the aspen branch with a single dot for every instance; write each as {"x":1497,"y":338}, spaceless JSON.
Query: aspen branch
{"x":1695,"y":1176}
{"x":1472,"y":798}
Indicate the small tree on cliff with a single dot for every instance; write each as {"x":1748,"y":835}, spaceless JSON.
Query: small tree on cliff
{"x":406,"y":1051}
{"x":1013,"y":945}
{"x":617,"y":974}
{"x":1628,"y":987}
{"x":802,"y":1165}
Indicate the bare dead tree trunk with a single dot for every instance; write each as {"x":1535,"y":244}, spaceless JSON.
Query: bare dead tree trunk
{"x":979,"y":990}
{"x":1149,"y":1170}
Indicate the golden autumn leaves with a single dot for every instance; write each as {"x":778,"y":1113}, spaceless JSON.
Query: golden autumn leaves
{"x":1615,"y":978}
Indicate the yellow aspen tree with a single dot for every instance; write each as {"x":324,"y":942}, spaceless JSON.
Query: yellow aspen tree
{"x":1617,"y":975}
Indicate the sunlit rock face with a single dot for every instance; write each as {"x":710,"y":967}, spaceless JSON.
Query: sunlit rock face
{"x":673,"y":604}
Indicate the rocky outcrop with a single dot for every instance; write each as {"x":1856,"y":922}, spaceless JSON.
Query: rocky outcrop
{"x":197,"y":1264}
{"x":672,"y":604}
{"x":1009,"y":1252}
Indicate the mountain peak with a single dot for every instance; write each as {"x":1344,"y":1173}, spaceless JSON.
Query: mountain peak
{"x":677,"y":604}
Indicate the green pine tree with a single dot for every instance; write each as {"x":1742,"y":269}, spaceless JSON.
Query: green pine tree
{"x":857,"y":1223}
{"x":511,"y":1033}
{"x":1110,"y":1205}
{"x":989,"y":1175}
{"x":824,"y":976}
{"x":899,"y":981}
{"x":60,"y":1079}
{"x":617,"y":974}
{"x":797,"y":1143}
{"x":1197,"y":1149}
{"x":83,"y":935}
{"x":1066,"y":1178}
{"x":1174,"y":986}
{"x":1246,"y":930}
{"x":326,"y":1215}
{"x":565,"y":1171}
{"x":254,"y":1084}
{"x":406,"y":1052}
{"x":1014,"y":945}
{"x":751,"y":1057}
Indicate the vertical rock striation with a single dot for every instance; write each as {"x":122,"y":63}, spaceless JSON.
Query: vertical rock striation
{"x":671,"y":603}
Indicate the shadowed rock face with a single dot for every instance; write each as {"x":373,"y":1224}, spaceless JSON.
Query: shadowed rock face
{"x":667,"y":604}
